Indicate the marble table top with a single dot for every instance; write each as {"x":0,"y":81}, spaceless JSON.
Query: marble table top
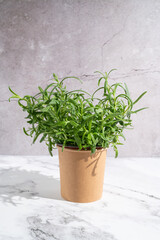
{"x":31,"y":207}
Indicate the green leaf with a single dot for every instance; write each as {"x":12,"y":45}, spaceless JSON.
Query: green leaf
{"x":99,"y":110}
{"x":89,"y":109}
{"x":118,"y":143}
{"x":93,"y":139}
{"x":46,"y":109}
{"x":40,"y":89}
{"x":70,"y":77}
{"x":64,"y":144}
{"x":87,"y":118}
{"x":50,"y":146}
{"x":139,"y":97}
{"x":116,"y":150}
{"x":138,"y":110}
{"x":12,"y":91}
{"x":73,"y":123}
{"x":21,"y":105}
{"x":105,"y":87}
{"x":43,"y":138}
{"x":99,"y":81}
{"x":93,"y":149}
{"x":78,"y":141}
{"x":55,"y":77}
{"x":14,"y":96}
{"x":36,"y":136}
{"x":78,"y":91}
{"x":126,"y":97}
{"x":90,"y":125}
{"x":111,"y":71}
{"x":97,"y":91}
{"x":52,"y":84}
{"x":100,"y":73}
{"x":127,"y":90}
{"x":53,"y":101}
{"x":24,"y":130}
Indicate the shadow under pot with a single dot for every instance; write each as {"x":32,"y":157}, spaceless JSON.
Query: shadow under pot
{"x":81,"y":174}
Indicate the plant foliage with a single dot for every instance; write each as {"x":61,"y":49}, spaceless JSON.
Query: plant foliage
{"x":76,"y":118}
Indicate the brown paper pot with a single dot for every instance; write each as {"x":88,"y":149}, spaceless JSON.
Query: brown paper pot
{"x":81,"y":174}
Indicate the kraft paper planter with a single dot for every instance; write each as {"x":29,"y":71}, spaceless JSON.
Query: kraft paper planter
{"x":81,"y":174}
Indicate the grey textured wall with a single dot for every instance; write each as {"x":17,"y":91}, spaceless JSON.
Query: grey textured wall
{"x":77,"y":37}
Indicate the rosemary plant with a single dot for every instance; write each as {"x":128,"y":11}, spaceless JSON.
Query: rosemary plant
{"x":77,"y":118}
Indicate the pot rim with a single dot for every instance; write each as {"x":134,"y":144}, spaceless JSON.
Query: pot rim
{"x":76,"y":149}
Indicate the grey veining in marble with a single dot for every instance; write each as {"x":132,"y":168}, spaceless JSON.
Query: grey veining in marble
{"x":31,"y":207}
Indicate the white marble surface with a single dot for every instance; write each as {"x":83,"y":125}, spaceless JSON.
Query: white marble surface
{"x":31,"y":207}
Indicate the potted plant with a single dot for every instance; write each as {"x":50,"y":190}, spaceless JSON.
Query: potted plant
{"x":82,"y":127}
